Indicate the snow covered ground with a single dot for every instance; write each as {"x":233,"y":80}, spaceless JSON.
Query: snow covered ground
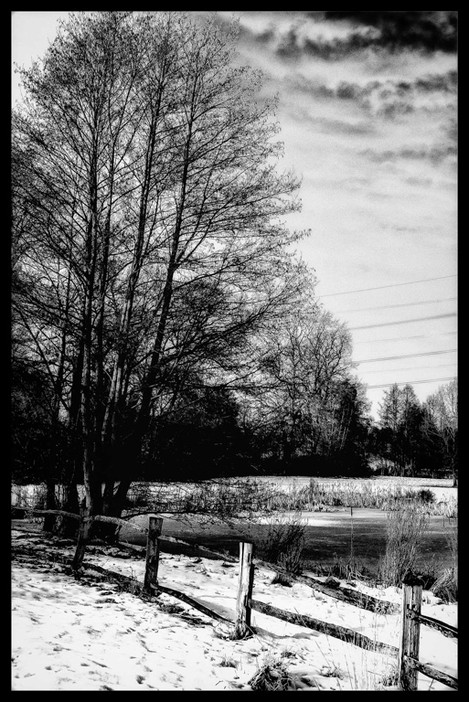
{"x":88,"y":634}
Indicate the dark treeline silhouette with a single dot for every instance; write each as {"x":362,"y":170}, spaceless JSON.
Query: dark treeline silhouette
{"x":414,"y":438}
{"x":209,"y":436}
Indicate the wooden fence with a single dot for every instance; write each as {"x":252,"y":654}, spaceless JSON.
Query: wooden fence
{"x":409,"y":664}
{"x":407,"y":654}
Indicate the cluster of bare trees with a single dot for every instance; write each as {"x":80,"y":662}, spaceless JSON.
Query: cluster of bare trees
{"x":414,"y":437}
{"x":147,"y":241}
{"x":309,"y":406}
{"x":151,"y":262}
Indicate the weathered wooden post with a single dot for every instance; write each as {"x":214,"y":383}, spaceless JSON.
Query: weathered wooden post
{"x":150,"y":582}
{"x":410,"y":637}
{"x":245,"y":583}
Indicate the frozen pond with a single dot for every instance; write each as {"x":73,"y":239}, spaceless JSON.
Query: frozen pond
{"x":328,"y":535}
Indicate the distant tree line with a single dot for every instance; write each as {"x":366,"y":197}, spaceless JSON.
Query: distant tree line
{"x":161,"y":327}
{"x":414,"y":438}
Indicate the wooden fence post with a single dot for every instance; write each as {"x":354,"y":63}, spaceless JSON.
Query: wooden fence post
{"x":150,"y":582}
{"x":410,"y":637}
{"x":245,"y":583}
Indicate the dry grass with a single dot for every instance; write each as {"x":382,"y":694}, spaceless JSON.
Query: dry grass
{"x":404,"y":530}
{"x":446,"y":584}
{"x":284,"y":543}
{"x":272,"y":676}
{"x":238,"y":496}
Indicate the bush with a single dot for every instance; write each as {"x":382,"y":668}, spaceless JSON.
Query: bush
{"x":282,"y":579}
{"x":404,"y":530}
{"x":426,"y":496}
{"x":272,"y":677}
{"x":284,"y":544}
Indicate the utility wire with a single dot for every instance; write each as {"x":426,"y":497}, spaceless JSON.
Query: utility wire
{"x":410,"y":382}
{"x":403,"y":321}
{"x":408,"y":355}
{"x":394,"y":285}
{"x":398,"y":370}
{"x":403,"y":338}
{"x":402,"y":304}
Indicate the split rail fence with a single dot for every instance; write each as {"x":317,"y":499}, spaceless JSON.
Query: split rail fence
{"x":407,"y":654}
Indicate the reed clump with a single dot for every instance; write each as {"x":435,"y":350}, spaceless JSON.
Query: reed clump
{"x":405,"y":527}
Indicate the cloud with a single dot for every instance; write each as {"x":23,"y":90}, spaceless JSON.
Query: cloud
{"x":335,"y":35}
{"x":446,"y":82}
{"x":385,"y":98}
{"x":293,"y":35}
{"x":293,"y":45}
{"x":417,"y":29}
{"x":434,"y":154}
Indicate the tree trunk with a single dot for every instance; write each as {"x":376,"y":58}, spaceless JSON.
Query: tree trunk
{"x":83,"y":537}
{"x":50,"y":519}
{"x":67,"y":528}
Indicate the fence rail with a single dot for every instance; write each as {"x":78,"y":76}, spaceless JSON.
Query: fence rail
{"x":407,"y":653}
{"x":442,"y":627}
{"x":338,"y":632}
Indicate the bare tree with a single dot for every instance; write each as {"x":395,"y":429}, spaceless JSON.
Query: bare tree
{"x":442,"y":407}
{"x":154,"y":237}
{"x":305,"y":361}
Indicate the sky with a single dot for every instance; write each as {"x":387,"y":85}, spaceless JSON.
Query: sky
{"x":368,"y":114}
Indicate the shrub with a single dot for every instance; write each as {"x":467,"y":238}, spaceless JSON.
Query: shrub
{"x":272,"y":677}
{"x":404,"y":530}
{"x":282,"y":579}
{"x":284,"y":544}
{"x":426,"y":496}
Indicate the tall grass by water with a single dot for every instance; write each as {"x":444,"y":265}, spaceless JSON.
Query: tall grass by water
{"x":405,"y":528}
{"x":316,"y":495}
{"x":237,"y":496}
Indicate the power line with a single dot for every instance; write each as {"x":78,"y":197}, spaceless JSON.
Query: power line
{"x":398,"y":370}
{"x":410,"y":382}
{"x":403,"y":321}
{"x":408,"y":355}
{"x":403,"y":338}
{"x":402,"y":304}
{"x":394,"y":285}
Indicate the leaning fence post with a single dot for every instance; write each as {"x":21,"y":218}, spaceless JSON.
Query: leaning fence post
{"x":410,"y":636}
{"x":245,"y":583}
{"x":150,"y":582}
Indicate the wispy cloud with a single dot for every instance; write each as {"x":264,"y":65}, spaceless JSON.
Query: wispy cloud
{"x":427,"y":30}
{"x":336,"y":35}
{"x":434,"y":154}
